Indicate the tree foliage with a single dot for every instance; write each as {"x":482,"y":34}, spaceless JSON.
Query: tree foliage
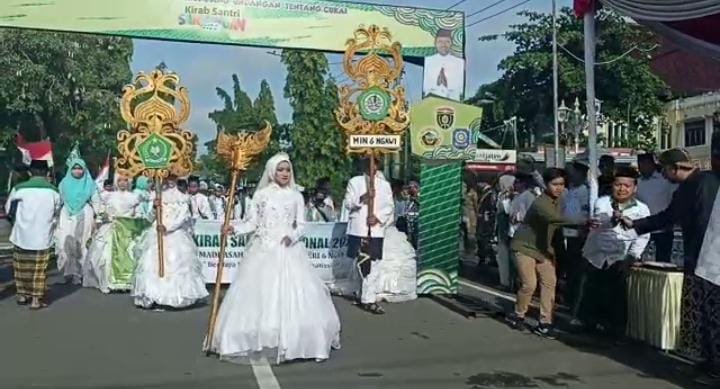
{"x":239,"y":113}
{"x":68,"y":83}
{"x":318,"y":144}
{"x":629,"y":90}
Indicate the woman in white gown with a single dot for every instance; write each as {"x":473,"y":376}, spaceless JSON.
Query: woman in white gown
{"x":182,"y":284}
{"x":109,"y":265}
{"x":277,"y":307}
{"x":81,"y":201}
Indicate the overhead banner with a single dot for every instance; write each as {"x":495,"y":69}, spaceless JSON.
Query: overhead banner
{"x":442,"y":129}
{"x":306,"y":24}
{"x":326,"y":244}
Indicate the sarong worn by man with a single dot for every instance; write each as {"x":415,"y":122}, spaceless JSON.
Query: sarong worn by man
{"x":34,"y":206}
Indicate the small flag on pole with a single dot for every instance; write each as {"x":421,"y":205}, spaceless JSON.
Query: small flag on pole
{"x":104,"y":173}
{"x":34,"y":151}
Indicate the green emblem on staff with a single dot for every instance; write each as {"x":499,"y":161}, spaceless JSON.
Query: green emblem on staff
{"x":155,"y":152}
{"x":374,"y":104}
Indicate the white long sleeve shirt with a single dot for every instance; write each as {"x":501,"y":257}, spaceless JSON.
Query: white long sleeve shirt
{"x":609,"y":244}
{"x":35,"y":218}
{"x":200,"y":207}
{"x":384,"y":208}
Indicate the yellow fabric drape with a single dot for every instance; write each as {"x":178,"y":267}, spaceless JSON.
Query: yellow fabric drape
{"x":654,"y":301}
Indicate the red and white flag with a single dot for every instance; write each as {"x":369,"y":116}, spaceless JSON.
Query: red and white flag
{"x":581,"y":7}
{"x":103,"y":173}
{"x":34,"y":151}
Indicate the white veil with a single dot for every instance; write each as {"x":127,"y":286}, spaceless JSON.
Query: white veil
{"x":268,"y":176}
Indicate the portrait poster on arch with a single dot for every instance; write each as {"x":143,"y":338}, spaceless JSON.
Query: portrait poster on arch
{"x":444,"y":71}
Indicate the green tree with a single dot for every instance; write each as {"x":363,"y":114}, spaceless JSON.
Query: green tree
{"x":239,"y":113}
{"x":318,"y":147}
{"x":625,"y":83}
{"x":69,"y":83}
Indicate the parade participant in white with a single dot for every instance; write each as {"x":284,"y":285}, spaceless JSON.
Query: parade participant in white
{"x":199,"y":203}
{"x":98,"y":264}
{"x":142,"y":190}
{"x":277,"y":307}
{"x":182,"y":284}
{"x":81,"y":201}
{"x":356,"y":199}
{"x":217,"y":202}
{"x":444,"y":72}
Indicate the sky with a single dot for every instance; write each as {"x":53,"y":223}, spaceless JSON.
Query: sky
{"x":203,"y":67}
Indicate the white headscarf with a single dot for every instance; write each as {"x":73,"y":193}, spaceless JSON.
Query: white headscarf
{"x":268,"y":176}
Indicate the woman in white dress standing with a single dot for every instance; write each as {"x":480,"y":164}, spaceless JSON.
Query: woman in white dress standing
{"x":397,"y":272}
{"x":183,"y":284}
{"x":277,"y":307}
{"x":81,"y":201}
{"x":107,"y":267}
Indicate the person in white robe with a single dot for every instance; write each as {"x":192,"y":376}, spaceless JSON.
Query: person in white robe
{"x":142,"y":189}
{"x":243,"y":207}
{"x":109,"y":265}
{"x":367,"y":227}
{"x":277,"y":307}
{"x":183,"y":283}
{"x":199,"y":203}
{"x":444,"y":73}
{"x":217,"y":202}
{"x":81,"y":201}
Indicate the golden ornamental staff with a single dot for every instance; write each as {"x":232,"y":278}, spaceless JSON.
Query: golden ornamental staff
{"x":238,"y":151}
{"x":154,"y":145}
{"x":373,"y":112}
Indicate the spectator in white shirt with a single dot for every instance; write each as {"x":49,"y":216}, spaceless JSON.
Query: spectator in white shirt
{"x":611,"y":251}
{"x":656,"y":191}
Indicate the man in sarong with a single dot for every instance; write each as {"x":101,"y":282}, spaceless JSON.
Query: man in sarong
{"x":34,"y":206}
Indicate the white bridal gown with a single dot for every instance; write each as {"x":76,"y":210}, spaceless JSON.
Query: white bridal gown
{"x":277,"y":307}
{"x":182,"y":284}
{"x":97,"y":266}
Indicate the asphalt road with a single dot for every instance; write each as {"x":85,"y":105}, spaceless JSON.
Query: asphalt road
{"x":89,"y":340}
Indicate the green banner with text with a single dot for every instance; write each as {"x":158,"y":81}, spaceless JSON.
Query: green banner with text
{"x":308,"y":24}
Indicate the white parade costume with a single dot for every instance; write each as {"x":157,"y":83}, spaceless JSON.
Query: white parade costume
{"x":81,"y":201}
{"x":98,"y":266}
{"x":277,"y":307}
{"x":396,"y":279}
{"x":182,"y":284}
{"x":200,"y":207}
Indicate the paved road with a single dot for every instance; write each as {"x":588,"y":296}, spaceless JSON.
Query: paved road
{"x":89,"y":340}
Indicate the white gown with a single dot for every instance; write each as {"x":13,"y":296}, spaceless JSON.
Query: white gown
{"x":73,"y":235}
{"x":96,"y":267}
{"x":277,"y":307}
{"x":183,"y":284}
{"x":396,"y":279}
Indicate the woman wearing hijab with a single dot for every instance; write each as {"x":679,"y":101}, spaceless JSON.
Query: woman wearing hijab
{"x":182,"y":284}
{"x":277,"y":307}
{"x":81,"y":202}
{"x":109,"y":265}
